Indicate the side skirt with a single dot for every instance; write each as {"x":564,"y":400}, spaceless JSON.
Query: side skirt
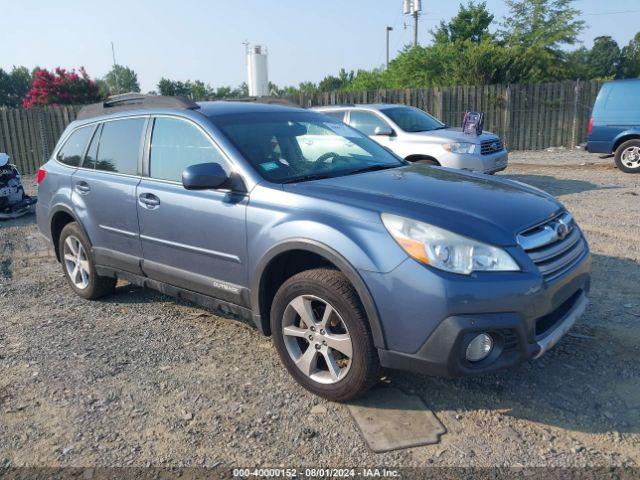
{"x":221,"y":307}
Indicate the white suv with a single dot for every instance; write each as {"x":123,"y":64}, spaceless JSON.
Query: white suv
{"x":418,"y":137}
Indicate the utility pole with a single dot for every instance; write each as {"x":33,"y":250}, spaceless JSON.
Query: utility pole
{"x":388,"y":30}
{"x":413,"y":8}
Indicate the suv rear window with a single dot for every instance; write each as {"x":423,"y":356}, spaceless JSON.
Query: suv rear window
{"x":73,"y":149}
{"x":119,"y":146}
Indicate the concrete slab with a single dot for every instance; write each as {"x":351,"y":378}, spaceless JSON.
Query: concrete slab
{"x":389,"y":419}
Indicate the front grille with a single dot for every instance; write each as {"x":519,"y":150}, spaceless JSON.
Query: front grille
{"x":555,"y":246}
{"x":509,"y":340}
{"x":488,"y":147}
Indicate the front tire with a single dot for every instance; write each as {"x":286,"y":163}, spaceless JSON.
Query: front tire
{"x":78,"y":266}
{"x":628,"y":156}
{"x":321,"y":333}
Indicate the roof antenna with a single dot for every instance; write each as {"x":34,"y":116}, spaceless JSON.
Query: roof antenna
{"x":115,"y":72}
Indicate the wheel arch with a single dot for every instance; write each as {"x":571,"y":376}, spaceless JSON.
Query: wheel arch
{"x":262,"y":296}
{"x":61,"y":216}
{"x":418,"y":157}
{"x":626,"y":136}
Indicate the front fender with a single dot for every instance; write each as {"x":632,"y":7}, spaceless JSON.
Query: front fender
{"x":351,"y":238}
{"x":334,"y":257}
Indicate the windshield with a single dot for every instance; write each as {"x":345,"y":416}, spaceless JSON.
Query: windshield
{"x":412,"y":119}
{"x":287,"y":147}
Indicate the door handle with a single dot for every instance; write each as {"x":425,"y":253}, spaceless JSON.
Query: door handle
{"x":149,"y":200}
{"x":83,"y":188}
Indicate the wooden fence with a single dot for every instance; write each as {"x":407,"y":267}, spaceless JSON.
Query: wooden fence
{"x":30,"y":135}
{"x":526,"y":116}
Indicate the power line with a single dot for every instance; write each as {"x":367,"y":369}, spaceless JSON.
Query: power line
{"x":620,"y":12}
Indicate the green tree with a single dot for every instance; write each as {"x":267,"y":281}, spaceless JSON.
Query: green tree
{"x":471,"y":23}
{"x":536,"y":31}
{"x":308,"y":88}
{"x":121,"y":79}
{"x":577,"y":64}
{"x":14,"y":86}
{"x":340,"y":82}
{"x":630,"y":59}
{"x":604,"y":57}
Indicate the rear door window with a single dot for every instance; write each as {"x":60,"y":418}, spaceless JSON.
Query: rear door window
{"x":366,"y":122}
{"x":119,"y":146}
{"x":73,"y":149}
{"x":177,"y":144}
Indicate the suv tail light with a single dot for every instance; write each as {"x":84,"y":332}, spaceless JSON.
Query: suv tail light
{"x":590,"y":126}
{"x":41,"y":174}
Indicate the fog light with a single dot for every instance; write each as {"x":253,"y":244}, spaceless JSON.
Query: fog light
{"x":479,"y":348}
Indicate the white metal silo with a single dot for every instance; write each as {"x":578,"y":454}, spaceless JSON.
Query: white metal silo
{"x":258,"y":78}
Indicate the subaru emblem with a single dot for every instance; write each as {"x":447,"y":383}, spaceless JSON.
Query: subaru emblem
{"x":562,"y":230}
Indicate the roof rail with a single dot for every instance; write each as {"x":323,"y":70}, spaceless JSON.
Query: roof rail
{"x":134,"y":101}
{"x":267,"y":100}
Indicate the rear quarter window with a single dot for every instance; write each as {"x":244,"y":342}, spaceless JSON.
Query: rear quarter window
{"x":624,"y":97}
{"x":74,"y":147}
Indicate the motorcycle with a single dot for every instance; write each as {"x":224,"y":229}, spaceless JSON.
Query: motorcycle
{"x":14,"y":202}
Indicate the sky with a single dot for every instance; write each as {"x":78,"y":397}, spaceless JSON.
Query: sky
{"x":203,"y":39}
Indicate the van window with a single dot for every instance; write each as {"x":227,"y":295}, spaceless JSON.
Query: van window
{"x":73,"y":149}
{"x":177,"y":144}
{"x":624,"y":97}
{"x":119,"y":146}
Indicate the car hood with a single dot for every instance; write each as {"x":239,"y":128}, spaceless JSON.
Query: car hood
{"x":452,"y":135}
{"x":486,"y":208}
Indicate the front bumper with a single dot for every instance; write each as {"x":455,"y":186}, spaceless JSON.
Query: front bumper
{"x":476,"y":162}
{"x":435,"y":321}
{"x":443,"y":353}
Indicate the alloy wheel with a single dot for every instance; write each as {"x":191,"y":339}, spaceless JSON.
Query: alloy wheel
{"x":317,"y":339}
{"x":76,"y":262}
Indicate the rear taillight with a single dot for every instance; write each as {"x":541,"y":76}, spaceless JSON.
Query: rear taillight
{"x":41,"y":174}
{"x":590,"y":126}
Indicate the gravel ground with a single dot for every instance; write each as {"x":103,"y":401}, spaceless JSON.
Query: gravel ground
{"x":141,"y":379}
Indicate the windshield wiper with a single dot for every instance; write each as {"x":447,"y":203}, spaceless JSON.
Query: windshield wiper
{"x":370,"y":168}
{"x":305,"y":178}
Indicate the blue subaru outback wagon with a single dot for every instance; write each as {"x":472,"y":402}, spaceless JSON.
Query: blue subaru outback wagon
{"x":351,"y":258}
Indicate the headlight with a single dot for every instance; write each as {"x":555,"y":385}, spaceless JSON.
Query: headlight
{"x":446,"y":250}
{"x":460,"y":147}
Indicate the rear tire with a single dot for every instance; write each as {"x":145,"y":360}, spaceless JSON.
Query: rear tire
{"x":78,"y":265}
{"x":331,"y":353}
{"x":628,"y":156}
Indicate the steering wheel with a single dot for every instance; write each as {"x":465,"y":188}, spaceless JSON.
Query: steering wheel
{"x":322,"y":159}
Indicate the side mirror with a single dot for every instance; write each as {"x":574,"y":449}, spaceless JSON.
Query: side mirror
{"x":204,"y":176}
{"x":383,"y":131}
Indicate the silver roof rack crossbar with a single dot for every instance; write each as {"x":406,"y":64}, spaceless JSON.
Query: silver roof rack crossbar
{"x":134,"y":101}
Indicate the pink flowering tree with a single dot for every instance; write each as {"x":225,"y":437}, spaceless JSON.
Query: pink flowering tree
{"x":61,"y":87}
